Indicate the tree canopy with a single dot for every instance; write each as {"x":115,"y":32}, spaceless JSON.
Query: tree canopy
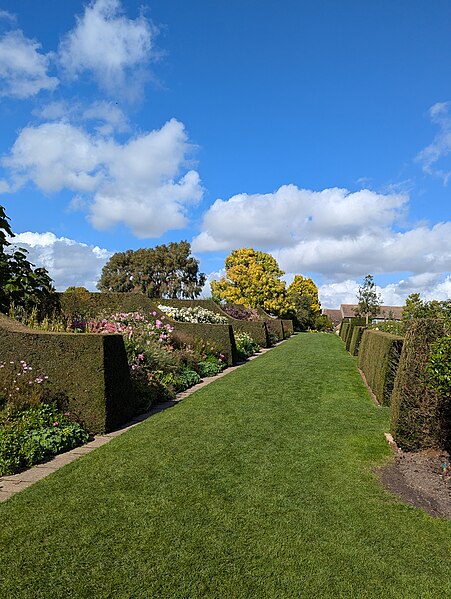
{"x":253,"y":280}
{"x":20,"y":283}
{"x":163,"y":271}
{"x":303,"y":293}
{"x":369,"y":301}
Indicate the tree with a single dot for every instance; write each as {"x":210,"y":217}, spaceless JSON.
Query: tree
{"x":20,"y":283}
{"x":163,"y":271}
{"x":253,"y":280}
{"x":303,"y":294}
{"x":369,"y":301}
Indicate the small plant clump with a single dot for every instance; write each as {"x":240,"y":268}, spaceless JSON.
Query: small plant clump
{"x":193,"y":314}
{"x":245,"y":345}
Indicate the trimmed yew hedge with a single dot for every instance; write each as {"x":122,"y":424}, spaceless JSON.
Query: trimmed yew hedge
{"x":418,"y":414}
{"x":379,"y":355}
{"x":356,"y":338}
{"x":90,"y":371}
{"x":257,"y":330}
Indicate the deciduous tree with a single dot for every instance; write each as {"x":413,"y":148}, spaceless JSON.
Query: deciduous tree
{"x":163,"y":271}
{"x":369,"y":301}
{"x":253,"y":280}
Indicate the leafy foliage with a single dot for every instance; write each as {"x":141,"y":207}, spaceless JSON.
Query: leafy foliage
{"x":20,"y":283}
{"x":253,"y":280}
{"x":30,"y":436}
{"x":369,"y":301}
{"x":417,"y":308}
{"x":163,"y":271}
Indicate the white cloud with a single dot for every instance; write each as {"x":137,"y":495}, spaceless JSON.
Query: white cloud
{"x":68,"y":262}
{"x":431,"y":158}
{"x":109,"y":46}
{"x":429,"y":285}
{"x":290,"y":215}
{"x":142,"y":183}
{"x":23,"y":68}
{"x":334,"y":233}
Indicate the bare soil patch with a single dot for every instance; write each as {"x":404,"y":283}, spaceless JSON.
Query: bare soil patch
{"x":421,"y":479}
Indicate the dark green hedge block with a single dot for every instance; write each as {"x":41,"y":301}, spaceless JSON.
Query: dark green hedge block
{"x":416,"y":415}
{"x":257,"y":330}
{"x":90,"y":305}
{"x":218,"y":334}
{"x":356,"y":338}
{"x":90,"y":370}
{"x":344,"y":330}
{"x":274,"y":325}
{"x":288,"y":328}
{"x":379,"y":355}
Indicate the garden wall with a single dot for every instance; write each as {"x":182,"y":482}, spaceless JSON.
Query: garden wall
{"x":90,"y":370}
{"x":419,"y":418}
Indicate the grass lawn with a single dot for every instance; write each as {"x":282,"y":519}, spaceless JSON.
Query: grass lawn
{"x":257,"y":486}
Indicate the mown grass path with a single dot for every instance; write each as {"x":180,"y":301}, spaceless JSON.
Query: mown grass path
{"x":259,"y":485}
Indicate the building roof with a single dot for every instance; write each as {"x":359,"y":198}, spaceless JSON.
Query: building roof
{"x":334,"y":315}
{"x":348,"y":311}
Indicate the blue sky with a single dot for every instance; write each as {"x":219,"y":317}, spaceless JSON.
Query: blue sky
{"x":317,"y":131}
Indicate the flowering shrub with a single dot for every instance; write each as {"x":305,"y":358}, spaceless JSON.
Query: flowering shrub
{"x":241,"y":313}
{"x":194,"y":314}
{"x":245,"y":345}
{"x":30,"y":436}
{"x":394,"y":327}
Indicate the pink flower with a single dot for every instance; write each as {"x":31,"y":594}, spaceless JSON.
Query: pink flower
{"x":55,"y":424}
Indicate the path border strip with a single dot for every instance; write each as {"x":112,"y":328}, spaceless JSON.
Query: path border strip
{"x":14,"y":483}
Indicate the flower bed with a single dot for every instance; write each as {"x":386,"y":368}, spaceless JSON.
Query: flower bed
{"x":194,"y":314}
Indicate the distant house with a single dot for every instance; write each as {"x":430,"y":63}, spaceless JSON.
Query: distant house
{"x":348,"y":311}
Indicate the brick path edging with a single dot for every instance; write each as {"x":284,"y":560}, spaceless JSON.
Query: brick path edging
{"x":14,"y":483}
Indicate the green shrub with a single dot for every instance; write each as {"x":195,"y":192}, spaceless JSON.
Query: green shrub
{"x":208,"y":368}
{"x":186,"y":379}
{"x":344,"y":327}
{"x":418,"y":409}
{"x":395,"y":327}
{"x":379,"y":355}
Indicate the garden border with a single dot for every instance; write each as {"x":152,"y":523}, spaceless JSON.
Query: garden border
{"x":14,"y":483}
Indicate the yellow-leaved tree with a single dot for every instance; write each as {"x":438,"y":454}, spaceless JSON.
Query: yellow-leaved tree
{"x":253,"y":280}
{"x":303,"y":294}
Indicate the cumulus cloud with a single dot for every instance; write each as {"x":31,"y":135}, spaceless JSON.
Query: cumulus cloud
{"x":429,"y":285}
{"x":68,"y":262}
{"x":290,"y":215}
{"x":109,"y":46}
{"x":335,"y":233}
{"x":431,"y":158}
{"x":142,"y":183}
{"x":23,"y":68}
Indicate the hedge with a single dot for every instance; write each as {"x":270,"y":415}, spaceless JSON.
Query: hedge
{"x":90,"y":305}
{"x":89,"y":370}
{"x":257,"y":330}
{"x":416,"y":415}
{"x":379,"y":355}
{"x":356,"y":338}
{"x":344,"y":328}
{"x":274,"y":325}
